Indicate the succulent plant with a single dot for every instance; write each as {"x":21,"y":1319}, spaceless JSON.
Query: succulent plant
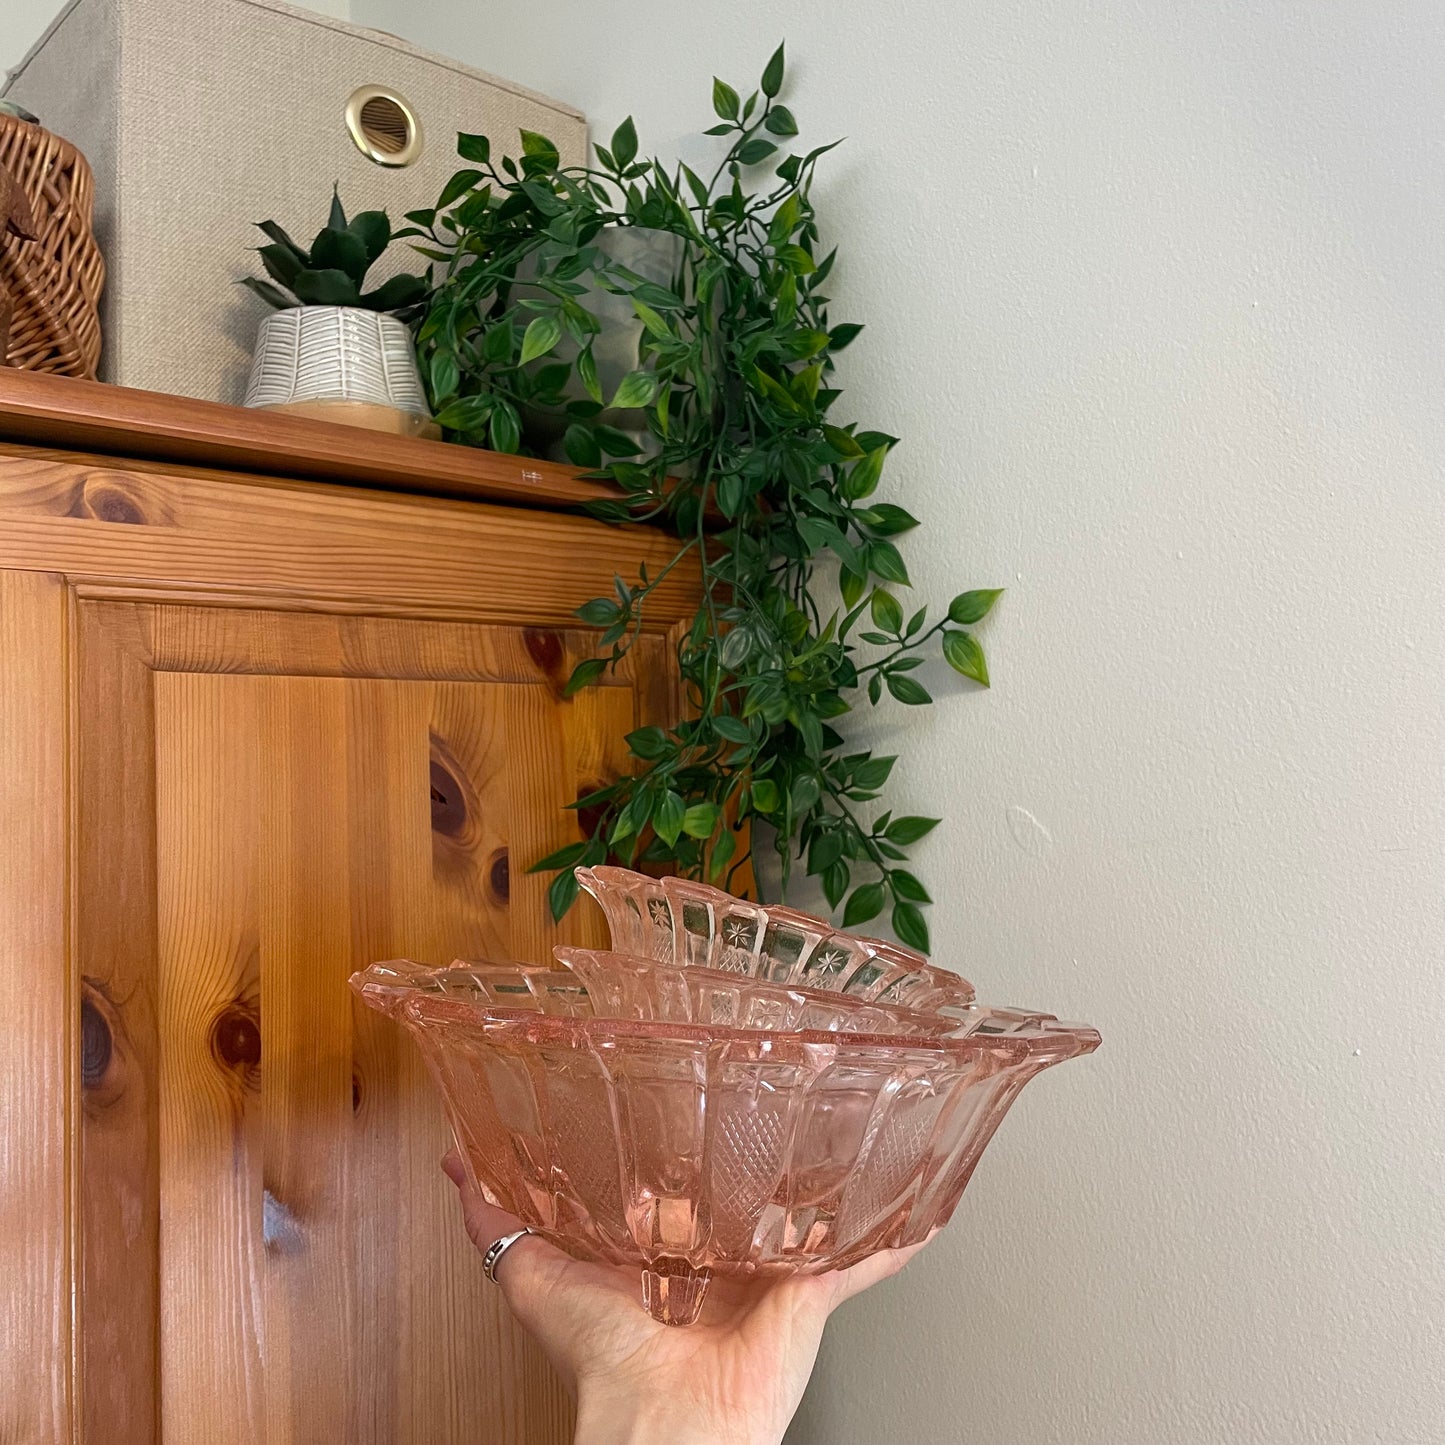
{"x":333,"y":271}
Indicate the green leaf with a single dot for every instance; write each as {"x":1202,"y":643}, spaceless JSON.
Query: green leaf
{"x":565,"y":857}
{"x":872,"y":773}
{"x":268,"y":293}
{"x":459,"y":185}
{"x":584,"y":675}
{"x":637,"y":389}
{"x":731,"y":729}
{"x":649,"y":743}
{"x":542,"y":334}
{"x":599,"y":612}
{"x":965,"y":655}
{"x":587,"y":371}
{"x":842,"y":334}
{"x":905,"y":885}
{"x":667,"y":817}
{"x":497,"y":345}
{"x":700,"y":820}
{"x":835,"y":883}
{"x":803,"y":794}
{"x":886,"y":520}
{"x":273,"y":232}
{"x":827,"y":849}
{"x":373,"y":230}
{"x":624,"y":145}
{"x":615,"y":443}
{"x":562,"y":894}
{"x":505,"y":427}
{"x":445,"y":375}
{"x":326,"y":288}
{"x":280,"y":263}
{"x":474,"y":148}
{"x":785,"y":220}
{"x":337,"y":219}
{"x":864,"y":903}
{"x":724,"y":100}
{"x":910,"y":927}
{"x":851,"y":584}
{"x":862,"y":477}
{"x":772,"y":81}
{"x":884,"y":562}
{"x":581,"y":446}
{"x":842,"y":443}
{"x":796,"y":259}
{"x":538,"y":148}
{"x":765,"y":796}
{"x":906,"y":690}
{"x":340,"y":251}
{"x":722,"y":853}
{"x":973,"y":606}
{"x":469,"y":413}
{"x":396,"y":293}
{"x":754,"y":151}
{"x":780,"y":122}
{"x":910,"y":829}
{"x":887,"y":614}
{"x":650,"y":319}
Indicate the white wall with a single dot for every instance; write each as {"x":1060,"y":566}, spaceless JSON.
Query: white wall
{"x":1156,"y":298}
{"x":22,"y":22}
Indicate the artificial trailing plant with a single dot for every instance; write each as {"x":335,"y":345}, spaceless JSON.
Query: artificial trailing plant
{"x":333,"y":271}
{"x":740,"y":459}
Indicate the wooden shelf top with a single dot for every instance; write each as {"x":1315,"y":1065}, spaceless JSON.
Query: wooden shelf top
{"x":62,"y":412}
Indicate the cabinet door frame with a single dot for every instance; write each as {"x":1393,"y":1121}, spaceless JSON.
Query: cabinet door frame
{"x":89,"y":542}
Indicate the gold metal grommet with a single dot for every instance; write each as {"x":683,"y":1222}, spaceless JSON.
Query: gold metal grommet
{"x":384,"y":126}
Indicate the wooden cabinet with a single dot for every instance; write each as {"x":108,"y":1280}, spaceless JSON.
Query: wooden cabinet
{"x":256,"y":732}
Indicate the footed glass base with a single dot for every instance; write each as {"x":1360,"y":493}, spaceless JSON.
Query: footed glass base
{"x":673,"y":1291}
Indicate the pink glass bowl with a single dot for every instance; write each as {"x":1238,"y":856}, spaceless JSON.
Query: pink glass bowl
{"x":689,"y":1149}
{"x":622,"y":986}
{"x":675,"y":920}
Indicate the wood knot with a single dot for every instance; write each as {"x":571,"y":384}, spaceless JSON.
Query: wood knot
{"x":499,"y":876}
{"x":236,"y":1040}
{"x":109,"y":497}
{"x":545,"y":648}
{"x":97,"y":1046}
{"x":589,"y":819}
{"x":448,"y":801}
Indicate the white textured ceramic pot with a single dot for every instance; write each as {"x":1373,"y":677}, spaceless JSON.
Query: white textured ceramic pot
{"x":340,"y":363}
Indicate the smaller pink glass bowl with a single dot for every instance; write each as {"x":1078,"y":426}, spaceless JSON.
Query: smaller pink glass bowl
{"x":624,"y":987}
{"x":675,"y":920}
{"x":688,"y":1149}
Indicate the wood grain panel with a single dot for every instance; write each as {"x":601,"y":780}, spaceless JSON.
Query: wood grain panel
{"x":365,"y":1308}
{"x":348,"y":550}
{"x":115,"y":954}
{"x":64,"y":411}
{"x":210,"y":846}
{"x":37,"y":1003}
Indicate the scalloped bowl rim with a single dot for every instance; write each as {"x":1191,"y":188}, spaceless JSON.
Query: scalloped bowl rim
{"x":539,"y":1028}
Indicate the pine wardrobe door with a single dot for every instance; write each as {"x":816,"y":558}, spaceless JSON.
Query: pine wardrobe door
{"x":266,"y":801}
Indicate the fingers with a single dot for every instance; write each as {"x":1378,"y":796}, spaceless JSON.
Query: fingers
{"x":873,"y":1270}
{"x":486,"y":1224}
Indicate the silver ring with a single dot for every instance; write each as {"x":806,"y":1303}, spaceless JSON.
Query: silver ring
{"x":493,"y":1257}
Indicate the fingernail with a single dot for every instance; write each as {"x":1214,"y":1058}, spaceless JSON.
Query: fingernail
{"x":452,"y":1168}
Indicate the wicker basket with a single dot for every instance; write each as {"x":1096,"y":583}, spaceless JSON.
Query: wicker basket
{"x":54,"y":281}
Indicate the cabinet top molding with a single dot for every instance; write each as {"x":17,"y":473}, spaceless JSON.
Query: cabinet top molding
{"x":60,"y":411}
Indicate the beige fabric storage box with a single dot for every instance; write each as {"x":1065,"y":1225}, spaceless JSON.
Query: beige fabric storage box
{"x":202,"y":116}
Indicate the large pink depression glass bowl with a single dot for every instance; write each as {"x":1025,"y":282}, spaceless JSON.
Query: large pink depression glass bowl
{"x":675,"y":920}
{"x":693,"y":1149}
